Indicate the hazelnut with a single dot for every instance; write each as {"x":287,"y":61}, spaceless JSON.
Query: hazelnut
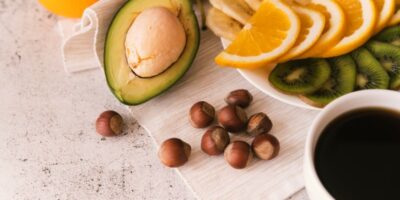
{"x":240,"y":98}
{"x":265,"y":146}
{"x":238,"y":154}
{"x":232,"y":118}
{"x":174,"y":152}
{"x":215,"y":140}
{"x":258,"y":123}
{"x":201,"y":114}
{"x":109,"y":124}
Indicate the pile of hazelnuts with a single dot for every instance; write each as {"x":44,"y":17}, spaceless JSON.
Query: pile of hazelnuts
{"x":216,"y":140}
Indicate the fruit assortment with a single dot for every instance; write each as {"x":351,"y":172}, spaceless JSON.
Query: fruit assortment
{"x":274,"y":31}
{"x":318,"y":81}
{"x":323,"y":52}
{"x":216,"y":140}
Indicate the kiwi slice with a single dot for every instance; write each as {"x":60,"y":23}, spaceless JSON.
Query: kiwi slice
{"x":390,"y":35}
{"x":300,"y":76}
{"x":341,"y":82}
{"x":389,"y":57}
{"x":370,"y":73}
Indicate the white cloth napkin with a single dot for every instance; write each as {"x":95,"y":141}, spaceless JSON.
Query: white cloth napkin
{"x":83,"y":41}
{"x":167,"y":116}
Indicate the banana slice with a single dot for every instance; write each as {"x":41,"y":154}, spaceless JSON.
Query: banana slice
{"x":237,"y":9}
{"x":254,"y":4}
{"x":222,"y":25}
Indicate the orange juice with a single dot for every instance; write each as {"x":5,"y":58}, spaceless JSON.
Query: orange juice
{"x":67,"y":8}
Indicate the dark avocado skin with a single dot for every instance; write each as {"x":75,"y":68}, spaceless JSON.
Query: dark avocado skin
{"x":137,"y":90}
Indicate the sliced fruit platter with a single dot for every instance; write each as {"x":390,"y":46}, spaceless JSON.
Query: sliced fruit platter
{"x":317,"y":50}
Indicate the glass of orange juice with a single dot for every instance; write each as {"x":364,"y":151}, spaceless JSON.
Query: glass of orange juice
{"x":67,"y":8}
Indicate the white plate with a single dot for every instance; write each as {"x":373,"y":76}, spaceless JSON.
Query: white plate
{"x":259,"y":79}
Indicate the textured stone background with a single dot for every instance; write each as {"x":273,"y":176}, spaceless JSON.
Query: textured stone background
{"x":48,"y":145}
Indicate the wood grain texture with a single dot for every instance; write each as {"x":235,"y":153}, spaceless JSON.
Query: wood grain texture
{"x":210,"y":177}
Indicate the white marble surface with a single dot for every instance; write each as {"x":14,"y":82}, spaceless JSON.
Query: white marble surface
{"x":49,"y":148}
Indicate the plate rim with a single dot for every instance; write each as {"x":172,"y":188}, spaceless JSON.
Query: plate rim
{"x":268,"y":93}
{"x":245,"y":74}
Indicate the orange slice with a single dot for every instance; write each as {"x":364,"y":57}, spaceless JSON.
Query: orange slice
{"x":385,"y":9}
{"x":262,"y":41}
{"x":361,"y":18}
{"x":334,"y":26}
{"x":312,"y":25}
{"x":396,"y":17}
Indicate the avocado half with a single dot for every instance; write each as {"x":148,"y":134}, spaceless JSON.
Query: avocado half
{"x":125,"y":85}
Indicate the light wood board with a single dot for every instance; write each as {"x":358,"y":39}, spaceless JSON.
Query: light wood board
{"x":167,"y":116}
{"x":210,"y":177}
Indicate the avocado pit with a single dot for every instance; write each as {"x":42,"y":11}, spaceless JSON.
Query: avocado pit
{"x":155,"y":41}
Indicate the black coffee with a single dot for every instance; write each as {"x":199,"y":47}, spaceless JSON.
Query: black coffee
{"x":358,"y":155}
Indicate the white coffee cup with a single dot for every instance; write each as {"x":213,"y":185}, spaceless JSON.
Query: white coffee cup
{"x":362,"y":99}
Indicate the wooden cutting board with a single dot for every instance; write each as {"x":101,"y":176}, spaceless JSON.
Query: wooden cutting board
{"x":210,"y":177}
{"x":167,"y":116}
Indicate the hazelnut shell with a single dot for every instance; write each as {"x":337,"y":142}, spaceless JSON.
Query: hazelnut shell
{"x":174,"y":152}
{"x":109,"y":124}
{"x":214,"y":141}
{"x":232,"y":118}
{"x":238,"y":154}
{"x":265,"y":146}
{"x":201,"y":114}
{"x":258,"y":124}
{"x":241,"y":98}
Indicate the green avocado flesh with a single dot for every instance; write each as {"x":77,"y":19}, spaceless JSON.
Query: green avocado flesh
{"x":125,"y":85}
